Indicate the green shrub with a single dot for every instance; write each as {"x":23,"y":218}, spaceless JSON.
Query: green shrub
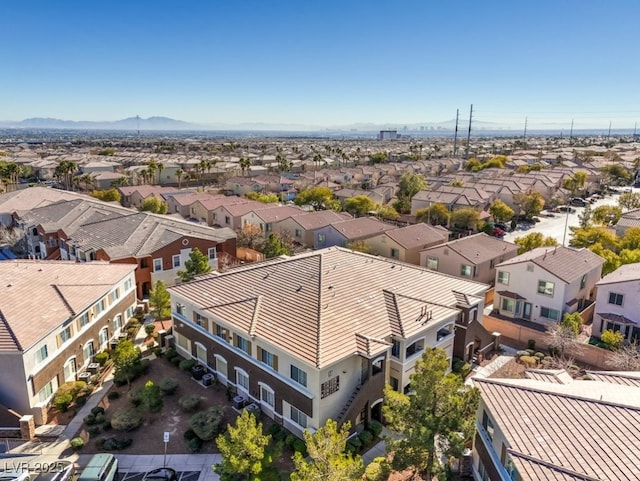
{"x":187,"y":364}
{"x":355,"y":441}
{"x":377,"y":470}
{"x":612,"y":339}
{"x":99,"y":418}
{"x":126,"y":420}
{"x":81,"y":401}
{"x":539,"y":355}
{"x":531,"y":344}
{"x":106,"y":426}
{"x":100,"y":444}
{"x":77,"y":443}
{"x":113,"y":395}
{"x":461,"y":367}
{"x":207,"y":424}
{"x":116,"y":444}
{"x":89,"y":419}
{"x":97,"y":410}
{"x":176,"y":361}
{"x":289,"y":441}
{"x":170,"y":352}
{"x":299,"y":446}
{"x":63,"y":401}
{"x":274,"y":430}
{"x":375,"y":428}
{"x":195,"y":445}
{"x":530,"y":352}
{"x":149,"y":328}
{"x":521,"y":353}
{"x":529,"y":361}
{"x":102,"y":358}
{"x":366,"y":438}
{"x":93,"y":430}
{"x":189,"y":435}
{"x":189,"y":402}
{"x":158,"y":351}
{"x":169,"y":385}
{"x":270,"y":473}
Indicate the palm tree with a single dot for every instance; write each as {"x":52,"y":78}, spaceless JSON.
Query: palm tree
{"x":152,"y":167}
{"x":179,"y":174}
{"x":65,"y":170}
{"x":13,"y":172}
{"x":160,"y":167}
{"x":245,"y":164}
{"x":144,"y":173}
{"x":317,"y":158}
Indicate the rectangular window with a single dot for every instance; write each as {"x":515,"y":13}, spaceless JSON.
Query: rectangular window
{"x":242,"y":380}
{"x":394,"y":383}
{"x":395,"y":254}
{"x":103,"y":336}
{"x":269,"y":358}
{"x":65,"y":335}
{"x":157,"y":265}
{"x":507,"y":304}
{"x":529,"y":267}
{"x":329,"y":387}
{"x":298,"y":233}
{"x":127,"y":284}
{"x":42,"y":354}
{"x":545,"y":288}
{"x":87,"y":352}
{"x":221,"y":332}
{"x":550,"y":313}
{"x":488,"y":425}
{"x":298,"y":417}
{"x":46,"y":392}
{"x":84,"y":319}
{"x":465,"y":270}
{"x":200,"y":320}
{"x":212,"y":253}
{"x":415,"y":348}
{"x":322,"y":239}
{"x":227,"y":219}
{"x":267,"y":397}
{"x":432,"y":263}
{"x":130,"y":311}
{"x":503,"y":278}
{"x":615,"y":298}
{"x":298,"y":375}
{"x":176,"y":261}
{"x":101,"y":306}
{"x":243,"y":344}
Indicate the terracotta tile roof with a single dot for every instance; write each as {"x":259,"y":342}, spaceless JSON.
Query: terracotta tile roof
{"x":418,"y":235}
{"x":624,"y":273}
{"x":565,"y":263}
{"x":278,"y":213}
{"x":315,"y":305}
{"x":557,"y":376}
{"x":213,"y":202}
{"x":610,"y":316}
{"x":38,"y":296}
{"x":510,"y":295}
{"x":242,"y":208}
{"x":146,"y":190}
{"x":584,"y":429}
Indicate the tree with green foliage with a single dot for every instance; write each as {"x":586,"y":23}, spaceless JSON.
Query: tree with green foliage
{"x":274,"y":247}
{"x":328,"y":459}
{"x":575,"y":183}
{"x":475,"y":165}
{"x":606,"y":214}
{"x":264,"y":198}
{"x":207,"y":424}
{"x":359,"y":246}
{"x":594,"y":235}
{"x":319,"y":198}
{"x":629,"y":200}
{"x":386,"y":212}
{"x":244,"y":451}
{"x":465,"y":218}
{"x":359,"y":205}
{"x":125,"y":357}
{"x":410,"y":184}
{"x":150,"y":397}
{"x":155,"y":205}
{"x":616,"y":174}
{"x":109,"y":195}
{"x":572,"y":321}
{"x":500,"y":211}
{"x":528,"y":204}
{"x":379,"y":158}
{"x":612,"y":339}
{"x":532,"y":241}
{"x":584,"y":218}
{"x":436,"y":214}
{"x":195,"y":265}
{"x":611,"y":259}
{"x":437,"y":418}
{"x":631,"y":239}
{"x":160,"y":301}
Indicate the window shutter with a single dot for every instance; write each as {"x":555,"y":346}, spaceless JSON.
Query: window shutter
{"x":234,"y":338}
{"x":58,"y":340}
{"x":275,"y":362}
{"x":214,"y":328}
{"x":249,"y":347}
{"x":259,"y":353}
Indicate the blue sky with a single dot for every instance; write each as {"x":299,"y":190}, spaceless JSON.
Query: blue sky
{"x":322,"y":62}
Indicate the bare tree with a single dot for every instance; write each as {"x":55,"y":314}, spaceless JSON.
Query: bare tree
{"x":563,"y":339}
{"x":627,"y":358}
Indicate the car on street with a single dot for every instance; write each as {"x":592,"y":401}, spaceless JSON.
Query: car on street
{"x":161,"y":474}
{"x":578,"y":202}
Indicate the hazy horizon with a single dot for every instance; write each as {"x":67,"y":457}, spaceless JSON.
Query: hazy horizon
{"x":322,"y":65}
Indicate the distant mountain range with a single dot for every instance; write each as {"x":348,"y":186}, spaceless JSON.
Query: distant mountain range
{"x":131,"y":123}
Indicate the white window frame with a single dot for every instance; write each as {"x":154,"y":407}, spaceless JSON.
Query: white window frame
{"x":155,"y":265}
{"x":84,"y":319}
{"x":93,"y":351}
{"x":66,"y":332}
{"x":545,"y":291}
{"x":298,"y":417}
{"x":272,"y":394}
{"x":175,"y":260}
{"x":464,"y":268}
{"x":72,"y":373}
{"x":212,"y":253}
{"x":241,"y":377}
{"x":299,"y":378}
{"x":40,"y":357}
{"x":508,"y":304}
{"x":430,"y":262}
{"x":102,"y":342}
{"x":503,"y":278}
{"x":550,"y":309}
{"x":46,"y":392}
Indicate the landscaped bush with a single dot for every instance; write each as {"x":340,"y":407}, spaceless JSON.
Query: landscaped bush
{"x":274,"y":430}
{"x":176,"y":360}
{"x":97,"y":410}
{"x":93,"y":430}
{"x":531,"y":344}
{"x":169,"y":385}
{"x":207,"y":424}
{"x":102,"y":358}
{"x":539,"y":355}
{"x":116,"y":444}
{"x":375,"y":428}
{"x":460,"y":367}
{"x":270,"y":473}
{"x":170,"y":352}
{"x":612,"y":339}
{"x":529,"y":361}
{"x":530,"y":352}
{"x":149,"y":328}
{"x":138,"y":369}
{"x":195,"y":445}
{"x":299,"y":446}
{"x":187,"y":364}
{"x":77,"y":443}
{"x":521,"y":353}
{"x":63,"y":401}
{"x":189,"y":435}
{"x":158,"y":351}
{"x":81,"y":401}
{"x":89,"y":419}
{"x":113,"y":395}
{"x":366,"y":438}
{"x":353,"y":445}
{"x":126,"y":420}
{"x":67,"y":393}
{"x":106,"y":426}
{"x":150,"y":397}
{"x":190,"y":402}
{"x":289,"y":441}
{"x":377,"y":470}
{"x":99,"y":418}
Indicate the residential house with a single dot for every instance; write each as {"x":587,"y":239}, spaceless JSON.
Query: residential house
{"x":616,"y":307}
{"x":318,"y":335}
{"x":134,"y":196}
{"x":204,"y":208}
{"x":181,"y":202}
{"x":543,"y":284}
{"x":347,"y":231}
{"x":627,"y":221}
{"x":230,"y":214}
{"x":267,"y":218}
{"x":406,"y":243}
{"x":55,"y":317}
{"x":95,"y":166}
{"x":453,"y":197}
{"x":553,"y":427}
{"x":301,"y":228}
{"x":473,"y":257}
{"x":22,"y":201}
{"x":241,"y":186}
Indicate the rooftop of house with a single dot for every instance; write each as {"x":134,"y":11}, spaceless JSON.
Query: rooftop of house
{"x":322,"y":306}
{"x":479,"y":248}
{"x":275,"y":213}
{"x":63,"y":289}
{"x":580,"y":430}
{"x":361,"y":227}
{"x":320,"y":218}
{"x":566,"y":263}
{"x":146,"y":190}
{"x":626,"y":378}
{"x":25,"y":200}
{"x":418,"y":235}
{"x":624,"y":273}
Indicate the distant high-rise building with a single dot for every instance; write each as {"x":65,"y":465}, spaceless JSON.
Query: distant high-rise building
{"x":388,"y":135}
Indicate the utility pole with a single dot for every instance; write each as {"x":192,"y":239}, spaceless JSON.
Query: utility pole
{"x":635,"y":127}
{"x":525,"y":132}
{"x":469,"y":133}
{"x":609,"y":133}
{"x":455,"y":135}
{"x":571,"y":132}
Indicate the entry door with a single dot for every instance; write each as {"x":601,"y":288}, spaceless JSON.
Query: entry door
{"x":526,"y":313}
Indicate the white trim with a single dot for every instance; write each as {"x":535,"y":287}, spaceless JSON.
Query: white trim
{"x":154,"y":264}
{"x":242,"y":371}
{"x":376,"y":402}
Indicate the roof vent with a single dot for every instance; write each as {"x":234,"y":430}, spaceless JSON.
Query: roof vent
{"x":299,"y":288}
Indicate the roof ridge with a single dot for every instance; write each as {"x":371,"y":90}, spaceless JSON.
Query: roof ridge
{"x":396,"y":310}
{"x":319,"y":311}
{"x":254,"y":318}
{"x":63,"y":299}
